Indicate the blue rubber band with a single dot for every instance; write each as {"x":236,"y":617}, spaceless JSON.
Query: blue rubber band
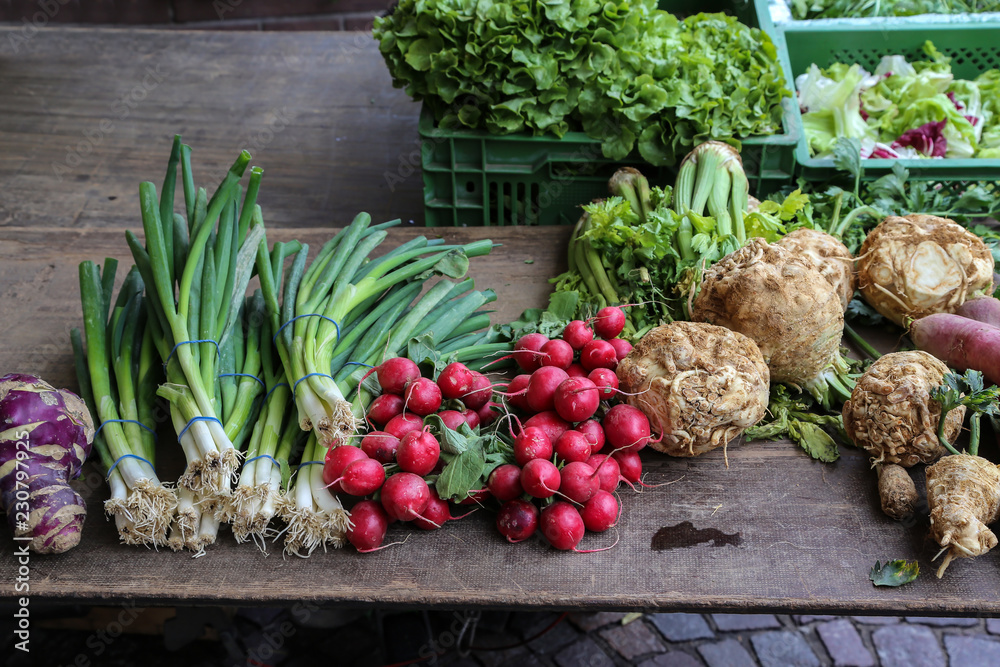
{"x":128,"y":456}
{"x":311,"y":463}
{"x":268,"y":394}
{"x":307,"y":376}
{"x":274,"y":338}
{"x":242,"y":375}
{"x":123,"y":421}
{"x":358,"y":363}
{"x":197,"y":419}
{"x":188,"y":342}
{"x":262,"y":456}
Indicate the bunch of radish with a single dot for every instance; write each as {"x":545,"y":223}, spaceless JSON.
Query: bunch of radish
{"x":572,"y":449}
{"x":393,"y":459}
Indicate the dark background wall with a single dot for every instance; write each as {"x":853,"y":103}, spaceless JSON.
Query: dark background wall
{"x":199,"y":14}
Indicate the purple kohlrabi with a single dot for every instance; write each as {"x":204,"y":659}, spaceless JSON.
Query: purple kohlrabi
{"x":45,"y":436}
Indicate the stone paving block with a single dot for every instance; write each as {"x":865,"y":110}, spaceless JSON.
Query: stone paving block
{"x":583,"y":653}
{"x":943,"y":621}
{"x":672,"y":659}
{"x":529,"y":660}
{"x":588,"y":622}
{"x":908,"y":646}
{"x":736,"y":622}
{"x":844,"y":644}
{"x":530,"y":623}
{"x":632,"y":640}
{"x":682,"y":627}
{"x":966,"y":650}
{"x":803,"y":620}
{"x":498,"y":658}
{"x":563,"y":634}
{"x":727,"y":653}
{"x":876,"y":620}
{"x":993,"y":626}
{"x":783,"y":649}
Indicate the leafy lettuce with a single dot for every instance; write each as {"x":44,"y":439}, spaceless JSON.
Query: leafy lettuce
{"x":622,"y":71}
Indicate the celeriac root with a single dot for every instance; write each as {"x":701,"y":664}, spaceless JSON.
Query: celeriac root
{"x":963,"y":492}
{"x":897,"y":491}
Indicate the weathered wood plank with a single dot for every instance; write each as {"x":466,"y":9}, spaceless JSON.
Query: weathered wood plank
{"x":773,"y":531}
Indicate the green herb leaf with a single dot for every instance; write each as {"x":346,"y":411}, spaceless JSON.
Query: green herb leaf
{"x":817,"y":442}
{"x":894,"y":573}
{"x":461,"y":475}
{"x":847,"y":156}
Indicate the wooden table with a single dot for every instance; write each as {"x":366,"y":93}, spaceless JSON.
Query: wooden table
{"x":85,"y":115}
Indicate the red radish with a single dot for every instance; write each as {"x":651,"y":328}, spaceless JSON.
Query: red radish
{"x":960,"y":342}
{"x":598,"y":354}
{"x":405,"y":496}
{"x":606,"y":380}
{"x":609,"y":473}
{"x":595,"y":434}
{"x":384,"y":408}
{"x":418,"y":452}
{"x":575,"y":370}
{"x":516,"y":390}
{"x":517,"y":520}
{"x":488,"y":413}
{"x":572,"y":446}
{"x":622,"y":347}
{"x":380,"y":446}
{"x":531,"y":443}
{"x":336,"y":459}
{"x":600,"y":512}
{"x":400,"y":425}
{"x":455,"y":380}
{"x":550,"y":422}
{"x":477,"y":497}
{"x":422,"y":396}
{"x":630,"y":465}
{"x":452,"y":418}
{"x":984,"y":309}
{"x":562,"y":525}
{"x":540,"y":478}
{"x":578,"y":482}
{"x":526,"y":351}
{"x":436,"y":514}
{"x":542,"y":387}
{"x":576,"y":399}
{"x":505,"y":482}
{"x":558,"y":353}
{"x":368,"y":526}
{"x":362,"y":477}
{"x":394,"y":374}
{"x":481,"y":393}
{"x":609,"y":322}
{"x":471,"y":418}
{"x":578,"y":333}
{"x":626,"y":427}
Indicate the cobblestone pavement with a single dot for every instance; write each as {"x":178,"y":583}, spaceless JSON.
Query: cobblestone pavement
{"x":307,"y":635}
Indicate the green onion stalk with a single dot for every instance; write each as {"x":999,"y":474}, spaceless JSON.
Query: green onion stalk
{"x":322,"y":299}
{"x":256,"y":498}
{"x":118,"y":375}
{"x":197,"y":271}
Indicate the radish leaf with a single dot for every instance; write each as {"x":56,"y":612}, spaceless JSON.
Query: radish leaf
{"x":894,"y":572}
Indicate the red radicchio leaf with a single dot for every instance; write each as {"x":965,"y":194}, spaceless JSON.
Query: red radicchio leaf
{"x":927,"y":139}
{"x":954,"y":100}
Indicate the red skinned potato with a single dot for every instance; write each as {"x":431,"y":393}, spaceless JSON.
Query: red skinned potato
{"x":45,"y":436}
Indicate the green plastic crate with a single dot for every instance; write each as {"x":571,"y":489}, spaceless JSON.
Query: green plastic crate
{"x":974,"y":47}
{"x":474,"y":178}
